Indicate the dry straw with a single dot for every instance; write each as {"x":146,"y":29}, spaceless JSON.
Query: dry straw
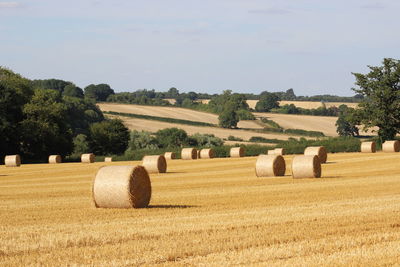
{"x":87,"y":158}
{"x":270,"y":165}
{"x":12,"y":161}
{"x":189,"y":153}
{"x":279,"y":151}
{"x":306,"y":167}
{"x":170,"y":155}
{"x":319,"y":151}
{"x":54,"y":159}
{"x":121,"y":187}
{"x":368,"y":147}
{"x":237,"y":152}
{"x":271,"y":152}
{"x":155,"y":164}
{"x":108,"y":159}
{"x":207,"y":153}
{"x":391,"y":146}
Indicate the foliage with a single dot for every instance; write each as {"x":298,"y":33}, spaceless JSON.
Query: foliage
{"x":332,"y":144}
{"x":140,"y":97}
{"x":164,"y":119}
{"x":15,"y":92}
{"x":44,"y":129}
{"x":99,"y":92}
{"x":172,"y":137}
{"x":234,"y":138}
{"x":81,"y":144}
{"x":207,"y":140}
{"x":380,"y":106}
{"x":53,"y":84}
{"x":73,"y":91}
{"x":260,"y":139}
{"x":346,"y":124}
{"x":304,"y":132}
{"x":109,"y":137}
{"x":228,"y":118}
{"x":267,"y":102}
{"x":321,"y":111}
{"x":245,"y":115}
{"x":142,"y":140}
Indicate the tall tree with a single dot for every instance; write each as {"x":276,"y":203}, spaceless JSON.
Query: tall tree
{"x":99,"y":92}
{"x":267,"y":102}
{"x":380,"y":106}
{"x":109,"y":137}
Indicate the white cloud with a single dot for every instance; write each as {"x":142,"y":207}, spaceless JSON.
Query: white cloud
{"x":9,"y":4}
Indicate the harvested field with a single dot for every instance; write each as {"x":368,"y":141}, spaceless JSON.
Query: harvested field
{"x":172,"y":112}
{"x":209,"y":212}
{"x":154,"y":126}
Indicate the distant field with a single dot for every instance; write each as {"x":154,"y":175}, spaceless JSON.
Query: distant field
{"x":300,"y":104}
{"x":206,"y":213}
{"x":154,"y":126}
{"x":172,"y":112}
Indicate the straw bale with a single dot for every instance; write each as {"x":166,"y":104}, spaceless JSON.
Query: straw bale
{"x":279,"y":151}
{"x":189,"y":153}
{"x":270,"y":165}
{"x":306,"y":167}
{"x":170,"y":155}
{"x":320,"y":151}
{"x":155,"y":164}
{"x":237,"y":152}
{"x":368,"y":147}
{"x":207,"y":153}
{"x":12,"y":161}
{"x":108,"y":159}
{"x":54,"y":159}
{"x":121,"y":187}
{"x":271,"y":152}
{"x":87,"y":158}
{"x":391,"y":146}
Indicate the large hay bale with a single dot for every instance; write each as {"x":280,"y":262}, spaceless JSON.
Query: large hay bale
{"x":306,"y":167}
{"x":391,"y":146}
{"x":121,"y":187}
{"x":88,"y":158}
{"x":108,"y":159}
{"x":155,"y":164}
{"x":237,"y":152}
{"x":270,"y":165}
{"x":54,"y":159}
{"x":170,"y":155}
{"x":271,"y":152}
{"x":279,"y":151}
{"x":12,"y":161}
{"x":207,"y":153}
{"x":368,"y":147}
{"x":319,"y":151}
{"x":189,"y":153}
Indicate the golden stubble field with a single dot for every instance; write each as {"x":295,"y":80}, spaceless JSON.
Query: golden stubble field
{"x":206,"y":213}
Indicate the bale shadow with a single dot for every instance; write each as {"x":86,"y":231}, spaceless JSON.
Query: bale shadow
{"x":330,"y":162}
{"x":171,"y":206}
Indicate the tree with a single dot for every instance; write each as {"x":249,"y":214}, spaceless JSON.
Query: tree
{"x":142,"y":140}
{"x":109,"y":137}
{"x":172,"y":137}
{"x":73,"y":91}
{"x":267,"y":102}
{"x":81,"y":144}
{"x":346,"y":124}
{"x":44,"y":130}
{"x":380,"y":105}
{"x":98,"y":92}
{"x":228,"y":118}
{"x":15,"y":92}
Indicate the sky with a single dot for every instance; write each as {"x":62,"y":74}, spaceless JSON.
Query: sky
{"x":246,"y":46}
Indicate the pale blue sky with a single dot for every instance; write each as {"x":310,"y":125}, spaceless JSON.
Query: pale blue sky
{"x":311,"y":46}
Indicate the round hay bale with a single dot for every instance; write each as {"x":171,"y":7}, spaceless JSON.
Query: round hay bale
{"x":189,"y":153}
{"x":207,"y":153}
{"x":87,"y":158}
{"x":319,"y":151}
{"x":279,"y":151}
{"x":306,"y":167}
{"x":121,"y":187}
{"x":270,"y":165}
{"x":237,"y":152}
{"x":170,"y":155}
{"x":368,"y":147}
{"x":54,"y":159}
{"x":391,"y":146}
{"x":271,"y":152}
{"x":108,"y":159}
{"x":155,"y":164}
{"x":12,"y":161}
